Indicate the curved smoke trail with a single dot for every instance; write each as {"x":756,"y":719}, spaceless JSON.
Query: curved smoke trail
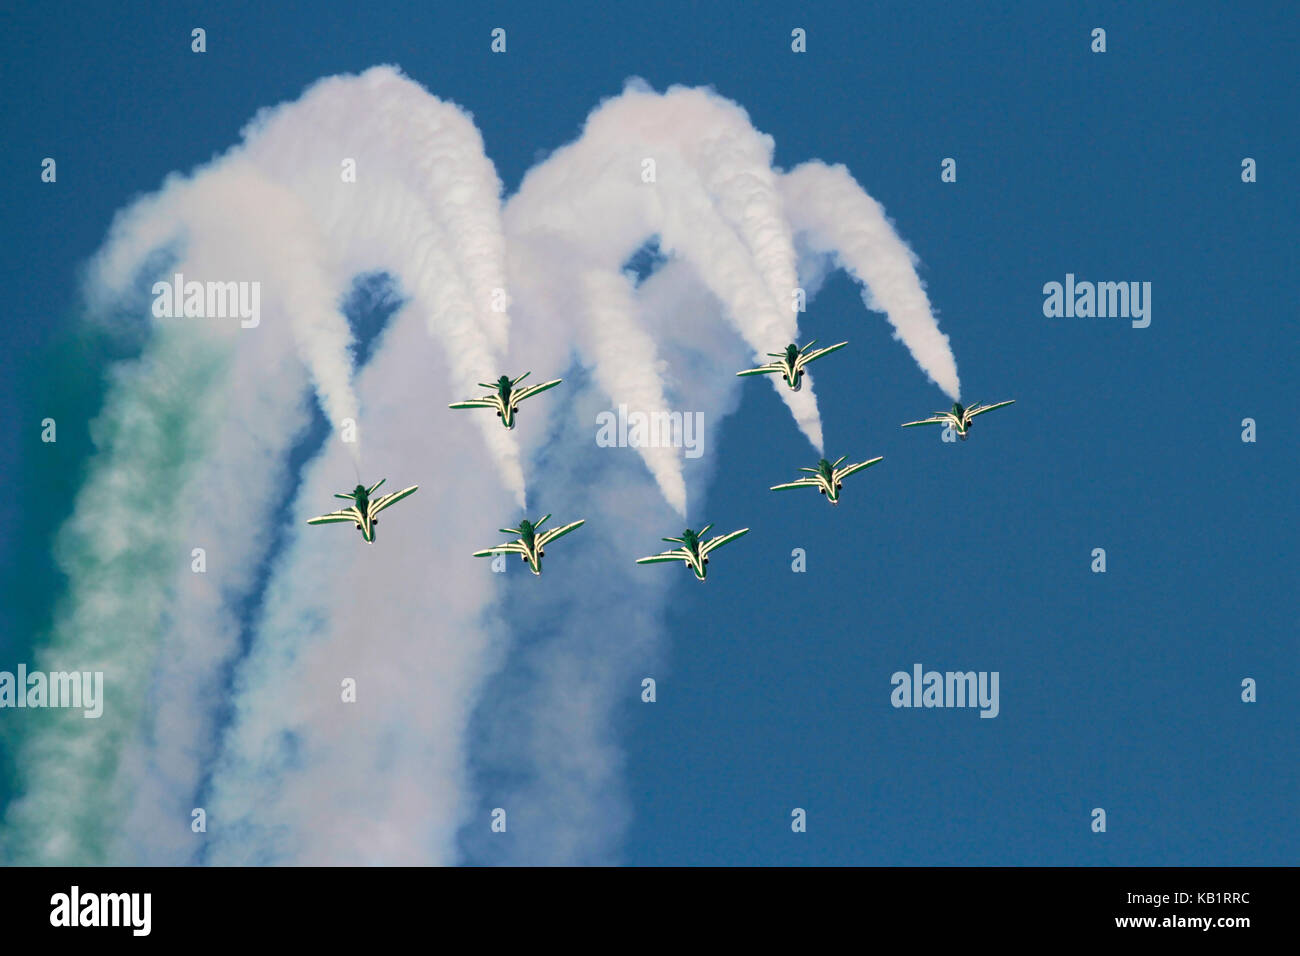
{"x":425,"y":206}
{"x":196,"y":438}
{"x":195,"y":435}
{"x":553,"y":736}
{"x":685,"y":167}
{"x":839,"y":219}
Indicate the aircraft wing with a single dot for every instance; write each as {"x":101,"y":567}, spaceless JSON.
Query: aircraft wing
{"x":801,"y":483}
{"x":989,"y":408}
{"x":720,"y":540}
{"x":474,"y":403}
{"x":818,"y":353}
{"x":383,"y":501}
{"x":546,"y":537}
{"x":850,"y":469}
{"x":762,"y":369}
{"x":532,"y":390}
{"x":511,"y":547}
{"x":938,"y":419}
{"x":677,"y":554}
{"x":347,"y":514}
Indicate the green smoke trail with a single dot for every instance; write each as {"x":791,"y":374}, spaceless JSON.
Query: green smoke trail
{"x":121,"y":554}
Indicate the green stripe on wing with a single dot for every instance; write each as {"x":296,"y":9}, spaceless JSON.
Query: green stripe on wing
{"x":666,"y":556}
{"x":989,"y":408}
{"x":379,"y":504}
{"x":532,"y":390}
{"x":801,"y":483}
{"x":554,"y":533}
{"x":851,"y":469}
{"x":721,"y":540}
{"x":514,"y":547}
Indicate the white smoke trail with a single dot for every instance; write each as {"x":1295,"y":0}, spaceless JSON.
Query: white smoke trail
{"x":712,"y":200}
{"x":548,"y":744}
{"x":838,"y":217}
{"x":404,"y":618}
{"x":553,"y":740}
{"x":191,"y":210}
{"x":303,"y":233}
{"x":425,"y":205}
{"x":304,"y":777}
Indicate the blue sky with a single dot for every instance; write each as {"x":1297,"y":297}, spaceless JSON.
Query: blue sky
{"x":1118,"y":690}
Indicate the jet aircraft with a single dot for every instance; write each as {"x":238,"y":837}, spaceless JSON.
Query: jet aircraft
{"x":694,"y":549}
{"x":828,"y":478}
{"x":791,"y":362}
{"x":959,"y":418}
{"x":530,"y":545}
{"x":363,"y":509}
{"x":505,"y":397}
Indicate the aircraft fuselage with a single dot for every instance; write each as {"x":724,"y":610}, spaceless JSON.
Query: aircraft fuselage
{"x":361,"y":510}
{"x":962,"y":421}
{"x":365,"y":525}
{"x":826,"y":477}
{"x":691,"y":542}
{"x":792,"y":374}
{"x":506,"y":408}
{"x":528,"y":538}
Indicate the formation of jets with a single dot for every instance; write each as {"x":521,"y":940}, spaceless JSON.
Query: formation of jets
{"x":505,"y":396}
{"x":790,"y":363}
{"x":827,"y":477}
{"x":363,"y":509}
{"x":693,"y":550}
{"x":959,"y":419}
{"x":530,"y":545}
